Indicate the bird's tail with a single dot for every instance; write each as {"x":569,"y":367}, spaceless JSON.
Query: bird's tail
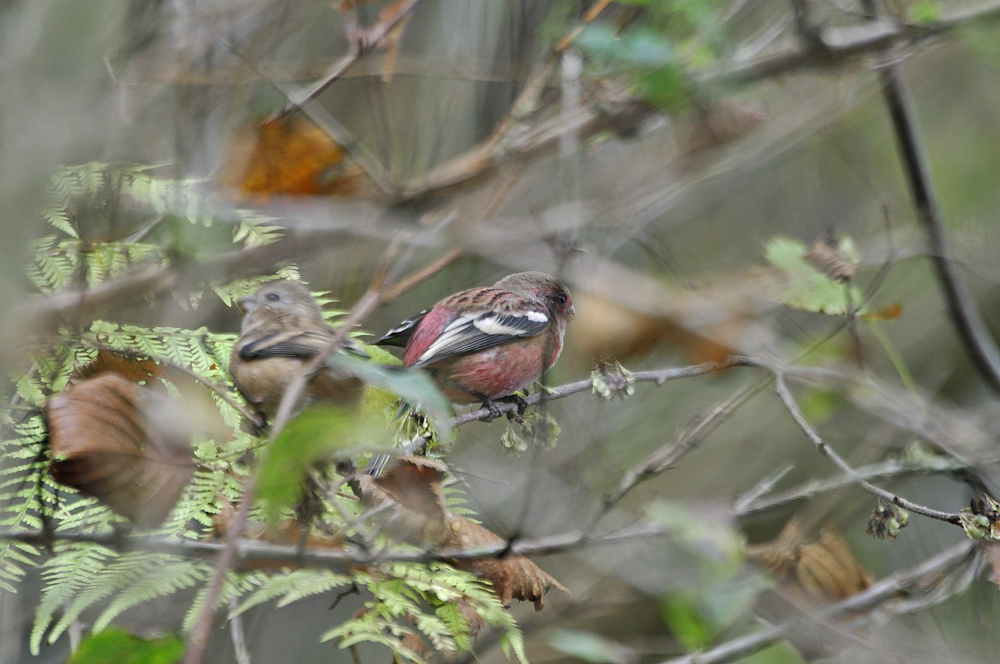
{"x":377,"y":464}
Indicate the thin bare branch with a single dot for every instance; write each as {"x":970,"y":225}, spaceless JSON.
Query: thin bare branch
{"x":793,"y":409}
{"x":753,"y":504}
{"x":685,"y":441}
{"x":841,"y":46}
{"x":922,"y":578}
{"x":360,"y":43}
{"x":659,"y":377}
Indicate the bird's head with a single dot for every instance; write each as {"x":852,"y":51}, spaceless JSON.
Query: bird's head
{"x":279,"y":298}
{"x":542,"y":287}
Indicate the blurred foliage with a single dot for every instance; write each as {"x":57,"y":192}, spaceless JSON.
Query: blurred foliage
{"x":116,"y":646}
{"x":808,"y":288}
{"x":656,"y":51}
{"x":81,"y":577}
{"x":646,"y":212}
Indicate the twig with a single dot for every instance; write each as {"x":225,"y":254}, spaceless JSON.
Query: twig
{"x":752,"y":504}
{"x":665,"y":457}
{"x":236,"y":630}
{"x":487,"y":156}
{"x":360,"y":45}
{"x":422,"y":274}
{"x":659,"y":377}
{"x":793,"y":409}
{"x":919,"y":578}
{"x":842,"y":46}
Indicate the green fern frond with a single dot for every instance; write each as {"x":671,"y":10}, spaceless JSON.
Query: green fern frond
{"x":161,"y":576}
{"x":72,"y":569}
{"x":288,"y":587}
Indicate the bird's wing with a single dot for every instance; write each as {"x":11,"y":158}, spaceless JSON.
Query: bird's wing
{"x":289,"y":339}
{"x":400,"y":335}
{"x":474,"y":331}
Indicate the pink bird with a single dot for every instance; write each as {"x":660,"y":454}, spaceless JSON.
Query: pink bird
{"x":485,"y":344}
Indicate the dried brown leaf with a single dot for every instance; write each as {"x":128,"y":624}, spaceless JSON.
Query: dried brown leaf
{"x":825,"y":568}
{"x":132,"y":368}
{"x":412,"y":490}
{"x":107,"y":440}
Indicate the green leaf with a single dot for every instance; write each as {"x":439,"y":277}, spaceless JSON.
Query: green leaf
{"x":117,"y":646}
{"x":588,"y":646}
{"x":809,"y":289}
{"x":924,"y":12}
{"x":782,"y":652}
{"x":411,"y":385}
{"x":681,"y":613}
{"x":665,"y":87}
{"x":312,"y":435}
{"x":819,"y":403}
{"x":709,"y":537}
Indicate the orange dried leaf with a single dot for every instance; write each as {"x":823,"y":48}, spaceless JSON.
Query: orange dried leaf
{"x":288,"y":156}
{"x":891,"y":312}
{"x":606,"y":329}
{"x":104,"y":444}
{"x":132,"y":368}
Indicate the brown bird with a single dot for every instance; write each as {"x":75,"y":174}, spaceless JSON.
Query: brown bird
{"x":283,"y":329}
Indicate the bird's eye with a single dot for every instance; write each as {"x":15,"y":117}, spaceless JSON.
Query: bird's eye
{"x":561,"y":298}
{"x":273,"y":297}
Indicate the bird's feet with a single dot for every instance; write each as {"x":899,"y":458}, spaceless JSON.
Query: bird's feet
{"x":494,"y":409}
{"x":518,"y":401}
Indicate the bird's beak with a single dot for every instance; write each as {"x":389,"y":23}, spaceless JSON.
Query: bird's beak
{"x":246,"y":304}
{"x":571,"y":312}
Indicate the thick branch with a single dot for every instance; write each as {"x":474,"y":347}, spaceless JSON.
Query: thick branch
{"x":248,"y":552}
{"x":961,"y":306}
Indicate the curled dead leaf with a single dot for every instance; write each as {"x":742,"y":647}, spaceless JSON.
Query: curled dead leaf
{"x":824,"y":568}
{"x":825,"y":256}
{"x":411,"y":490}
{"x":122,"y":443}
